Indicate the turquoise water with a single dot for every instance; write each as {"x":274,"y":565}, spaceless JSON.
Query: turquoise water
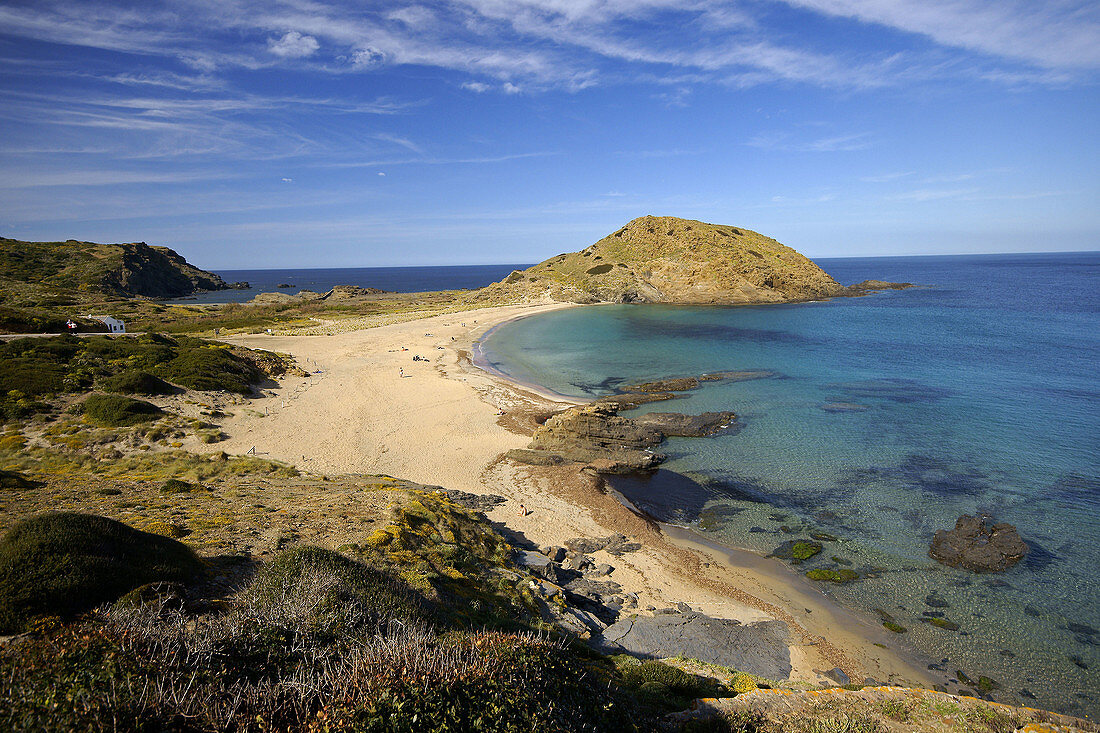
{"x":887,"y":417}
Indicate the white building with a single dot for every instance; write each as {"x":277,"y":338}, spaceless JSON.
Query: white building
{"x":113,"y":324}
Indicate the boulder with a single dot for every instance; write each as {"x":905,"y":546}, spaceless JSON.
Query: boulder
{"x":977,"y":545}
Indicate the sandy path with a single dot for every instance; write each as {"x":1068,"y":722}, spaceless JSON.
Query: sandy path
{"x":369,"y":408}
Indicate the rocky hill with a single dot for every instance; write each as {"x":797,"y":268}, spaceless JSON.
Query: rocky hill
{"x":663,"y":259}
{"x":125,"y":270}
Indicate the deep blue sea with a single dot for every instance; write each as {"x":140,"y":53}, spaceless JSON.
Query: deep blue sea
{"x":886,"y":418}
{"x":394,"y":279}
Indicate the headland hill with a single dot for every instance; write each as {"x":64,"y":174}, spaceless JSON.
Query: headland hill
{"x":271,"y":516}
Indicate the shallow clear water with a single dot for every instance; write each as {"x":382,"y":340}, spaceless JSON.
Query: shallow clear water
{"x":886,"y":418}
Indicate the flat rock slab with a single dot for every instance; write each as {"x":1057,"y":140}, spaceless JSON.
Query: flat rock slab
{"x":760,"y":648}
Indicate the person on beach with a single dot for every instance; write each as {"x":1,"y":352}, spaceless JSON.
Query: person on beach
{"x":523,"y":511}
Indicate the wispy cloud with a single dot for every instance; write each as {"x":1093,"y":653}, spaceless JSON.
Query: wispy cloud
{"x":886,"y":177}
{"x":1055,"y":35}
{"x":787,"y":142}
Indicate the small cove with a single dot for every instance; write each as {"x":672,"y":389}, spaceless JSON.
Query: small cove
{"x":885,"y":418}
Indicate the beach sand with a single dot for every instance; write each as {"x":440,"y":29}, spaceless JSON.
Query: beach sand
{"x":368,"y":407}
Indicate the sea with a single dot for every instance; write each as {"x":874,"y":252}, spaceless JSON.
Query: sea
{"x":321,"y":280}
{"x":877,"y":421}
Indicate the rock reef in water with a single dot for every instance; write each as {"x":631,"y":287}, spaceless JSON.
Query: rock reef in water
{"x":664,"y":259}
{"x":978,"y":546}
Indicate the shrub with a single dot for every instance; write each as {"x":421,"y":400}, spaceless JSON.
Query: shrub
{"x":211,"y":368}
{"x":15,"y":480}
{"x":331,"y":592}
{"x":65,"y":563}
{"x":743,"y":683}
{"x":135,"y":381}
{"x":117,"y":411}
{"x":176,"y":486}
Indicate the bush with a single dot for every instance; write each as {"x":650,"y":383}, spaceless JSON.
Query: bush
{"x":15,"y":480}
{"x":65,"y":563}
{"x":212,"y":369}
{"x":176,"y":486}
{"x":743,"y":683}
{"x":331,"y":593}
{"x":115,"y":411}
{"x":135,"y":381}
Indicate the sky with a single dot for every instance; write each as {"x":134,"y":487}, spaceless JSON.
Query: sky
{"x":298,"y":133}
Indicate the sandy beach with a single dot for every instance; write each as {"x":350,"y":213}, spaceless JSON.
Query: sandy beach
{"x":369,"y":407}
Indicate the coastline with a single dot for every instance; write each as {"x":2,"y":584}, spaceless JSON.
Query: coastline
{"x":446,"y":420}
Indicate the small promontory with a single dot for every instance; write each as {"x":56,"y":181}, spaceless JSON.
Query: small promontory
{"x":124,"y":270}
{"x":664,"y":259}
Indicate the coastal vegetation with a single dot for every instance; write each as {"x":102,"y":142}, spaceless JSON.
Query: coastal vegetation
{"x":664,"y":259}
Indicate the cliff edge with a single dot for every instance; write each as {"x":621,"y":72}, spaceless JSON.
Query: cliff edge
{"x":664,"y":259}
{"x":126,"y":270}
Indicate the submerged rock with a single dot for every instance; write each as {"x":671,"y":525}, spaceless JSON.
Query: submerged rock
{"x":974,"y":545}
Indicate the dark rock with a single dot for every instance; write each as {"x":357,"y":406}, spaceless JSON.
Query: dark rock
{"x":759,"y":648}
{"x":836,"y":674}
{"x":555,"y":553}
{"x":284,"y":285}
{"x":868,"y":285}
{"x":936,"y":601}
{"x":536,"y":457}
{"x":477,"y":502}
{"x":976,"y":546}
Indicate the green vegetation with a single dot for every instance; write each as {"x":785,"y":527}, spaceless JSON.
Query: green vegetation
{"x":60,"y":564}
{"x":12,"y":480}
{"x":804,"y":551}
{"x":665,"y":686}
{"x":895,"y":627}
{"x":34,"y":368}
{"x":941,"y":623}
{"x":319,"y":642}
{"x":62,"y":273}
{"x":343,"y":593}
{"x":176,"y":486}
{"x":844,"y":575}
{"x":117,"y":411}
{"x":134,"y":381}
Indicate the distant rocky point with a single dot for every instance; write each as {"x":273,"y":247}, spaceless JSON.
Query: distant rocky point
{"x":339,"y":292}
{"x":123,"y":270}
{"x":664,"y":259}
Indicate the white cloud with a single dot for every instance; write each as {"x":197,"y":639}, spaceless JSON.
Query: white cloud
{"x":510,"y":88}
{"x":396,"y":140}
{"x":886,"y":177}
{"x":293,"y":45}
{"x":381,"y":173}
{"x":1052,"y":34}
{"x":476,"y":86}
{"x":288,"y":180}
{"x":784,"y":141}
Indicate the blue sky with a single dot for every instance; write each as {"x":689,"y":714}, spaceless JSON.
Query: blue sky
{"x":289,"y":133}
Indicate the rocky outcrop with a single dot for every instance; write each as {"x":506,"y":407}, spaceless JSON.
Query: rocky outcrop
{"x":664,"y":259}
{"x":871,"y":285}
{"x":759,"y":648}
{"x":978,"y":546}
{"x":594,"y":432}
{"x":126,"y":270}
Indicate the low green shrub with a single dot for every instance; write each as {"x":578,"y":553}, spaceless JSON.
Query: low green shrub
{"x":176,"y":486}
{"x":117,"y":411}
{"x":14,"y":480}
{"x":135,"y":381}
{"x":332,"y":592}
{"x":60,"y":564}
{"x":211,"y":368}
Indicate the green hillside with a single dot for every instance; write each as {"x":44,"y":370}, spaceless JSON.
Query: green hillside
{"x":670,"y":260}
